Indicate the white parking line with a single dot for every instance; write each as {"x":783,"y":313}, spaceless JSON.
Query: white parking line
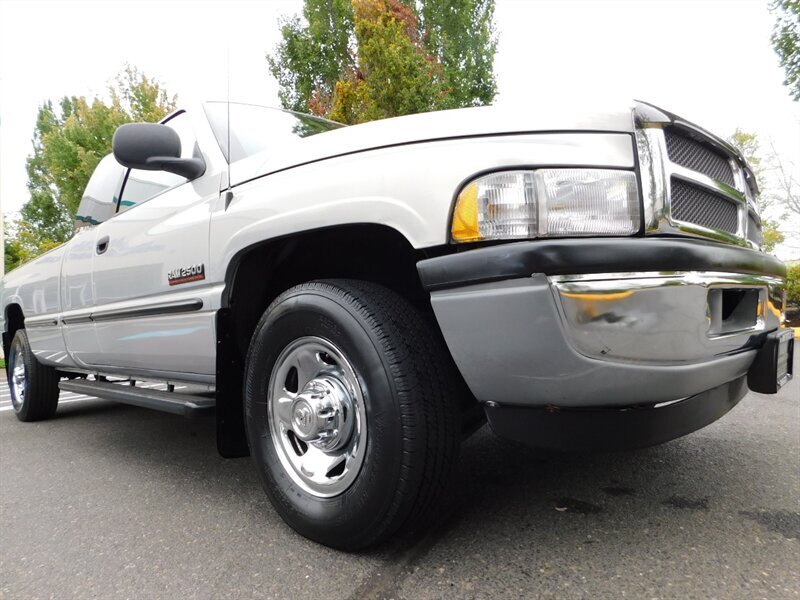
{"x":60,"y":399}
{"x":6,"y":408}
{"x":68,"y":397}
{"x":64,"y":397}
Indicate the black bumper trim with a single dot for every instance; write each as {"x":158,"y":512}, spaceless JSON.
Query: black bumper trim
{"x":611,"y":428}
{"x":597,"y":255}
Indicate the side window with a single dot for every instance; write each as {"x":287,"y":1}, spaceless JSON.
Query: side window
{"x":99,"y":200}
{"x":142,"y":185}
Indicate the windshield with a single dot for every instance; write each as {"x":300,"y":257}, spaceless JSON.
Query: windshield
{"x":255,"y":128}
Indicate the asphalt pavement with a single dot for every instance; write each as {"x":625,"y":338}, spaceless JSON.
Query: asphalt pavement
{"x":111,"y":501}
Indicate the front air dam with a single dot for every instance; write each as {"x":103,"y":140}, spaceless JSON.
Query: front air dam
{"x":593,"y":429}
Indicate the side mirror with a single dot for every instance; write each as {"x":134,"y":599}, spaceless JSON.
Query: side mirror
{"x":99,"y":200}
{"x":154,"y":147}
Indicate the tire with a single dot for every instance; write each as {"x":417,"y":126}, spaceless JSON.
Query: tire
{"x":404,"y":420}
{"x":33,"y":386}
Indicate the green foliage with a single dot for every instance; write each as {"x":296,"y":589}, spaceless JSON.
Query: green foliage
{"x":314,"y":53}
{"x":140,"y":97}
{"x":749,"y":146}
{"x":747,"y":143}
{"x":12,"y":248}
{"x":24,"y":242}
{"x":772,"y":235}
{"x":68,"y":142}
{"x":360,"y":60}
{"x":71,"y":150}
{"x":793,"y":283}
{"x":394,"y":77}
{"x":460,"y":35}
{"x":786,"y":42}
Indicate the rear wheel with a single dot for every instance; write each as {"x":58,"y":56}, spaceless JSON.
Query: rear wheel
{"x":33,"y":386}
{"x":351,"y":416}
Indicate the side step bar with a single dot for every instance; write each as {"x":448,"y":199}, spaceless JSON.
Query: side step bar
{"x":171,"y":402}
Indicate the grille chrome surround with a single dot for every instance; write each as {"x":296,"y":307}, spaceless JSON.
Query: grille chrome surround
{"x":666,"y":214}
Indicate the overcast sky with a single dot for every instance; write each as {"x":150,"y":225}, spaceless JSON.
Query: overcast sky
{"x":710,"y":61}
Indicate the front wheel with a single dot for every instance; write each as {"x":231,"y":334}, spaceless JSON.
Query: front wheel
{"x":351,"y":416}
{"x":33,"y":386}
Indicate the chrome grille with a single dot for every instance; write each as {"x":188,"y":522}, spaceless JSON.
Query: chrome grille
{"x":693,"y":183}
{"x":696,"y":205}
{"x":693,"y":154}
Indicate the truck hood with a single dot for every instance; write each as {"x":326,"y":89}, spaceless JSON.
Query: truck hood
{"x":440,"y":125}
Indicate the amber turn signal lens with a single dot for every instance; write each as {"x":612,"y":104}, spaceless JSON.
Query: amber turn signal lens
{"x":465,"y":216}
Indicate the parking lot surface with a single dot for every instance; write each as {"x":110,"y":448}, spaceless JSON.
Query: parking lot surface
{"x":112,"y":501}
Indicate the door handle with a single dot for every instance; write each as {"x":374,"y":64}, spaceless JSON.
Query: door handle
{"x":102,"y":244}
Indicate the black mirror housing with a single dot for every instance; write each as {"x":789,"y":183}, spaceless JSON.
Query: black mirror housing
{"x":154,"y":147}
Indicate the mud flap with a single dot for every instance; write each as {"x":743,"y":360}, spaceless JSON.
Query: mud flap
{"x":231,"y":435}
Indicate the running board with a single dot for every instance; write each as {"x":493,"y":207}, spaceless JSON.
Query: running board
{"x":171,"y":402}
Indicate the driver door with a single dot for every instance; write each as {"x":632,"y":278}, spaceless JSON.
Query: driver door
{"x":154,"y":308}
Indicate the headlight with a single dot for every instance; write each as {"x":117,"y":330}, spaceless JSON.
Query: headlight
{"x":547,"y":203}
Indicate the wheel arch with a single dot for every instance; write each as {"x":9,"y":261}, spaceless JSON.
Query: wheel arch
{"x":259,"y":273}
{"x":14,"y":321}
{"x":370,"y":251}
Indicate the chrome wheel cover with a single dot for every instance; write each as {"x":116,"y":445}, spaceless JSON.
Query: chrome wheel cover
{"x":317,"y":416}
{"x":18,"y":377}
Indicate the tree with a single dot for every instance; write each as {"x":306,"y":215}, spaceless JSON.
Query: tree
{"x":786,"y":42}
{"x":23,"y":243}
{"x":460,"y":35}
{"x":68,"y":142}
{"x":314,"y":52}
{"x":386,"y":57}
{"x":768,"y":201}
{"x":12,"y":248}
{"x":789,"y":187}
{"x":395,"y":76}
{"x":793,"y":284}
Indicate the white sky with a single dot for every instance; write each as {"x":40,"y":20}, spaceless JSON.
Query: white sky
{"x":709,"y":61}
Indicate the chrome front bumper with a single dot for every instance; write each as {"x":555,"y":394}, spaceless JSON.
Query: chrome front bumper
{"x":667,"y":317}
{"x":607,"y":340}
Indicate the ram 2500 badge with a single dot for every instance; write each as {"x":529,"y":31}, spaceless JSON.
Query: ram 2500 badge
{"x":355,"y":300}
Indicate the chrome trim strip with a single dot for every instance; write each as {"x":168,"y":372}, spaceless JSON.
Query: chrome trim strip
{"x":691,"y":276}
{"x":652,"y":150}
{"x":32,"y":323}
{"x":704,"y":181}
{"x":76,"y":320}
{"x":167,"y":308}
{"x":144,"y":374}
{"x":694,"y":230}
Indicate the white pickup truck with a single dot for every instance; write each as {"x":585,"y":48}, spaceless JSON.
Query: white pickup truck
{"x":352,"y":301}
